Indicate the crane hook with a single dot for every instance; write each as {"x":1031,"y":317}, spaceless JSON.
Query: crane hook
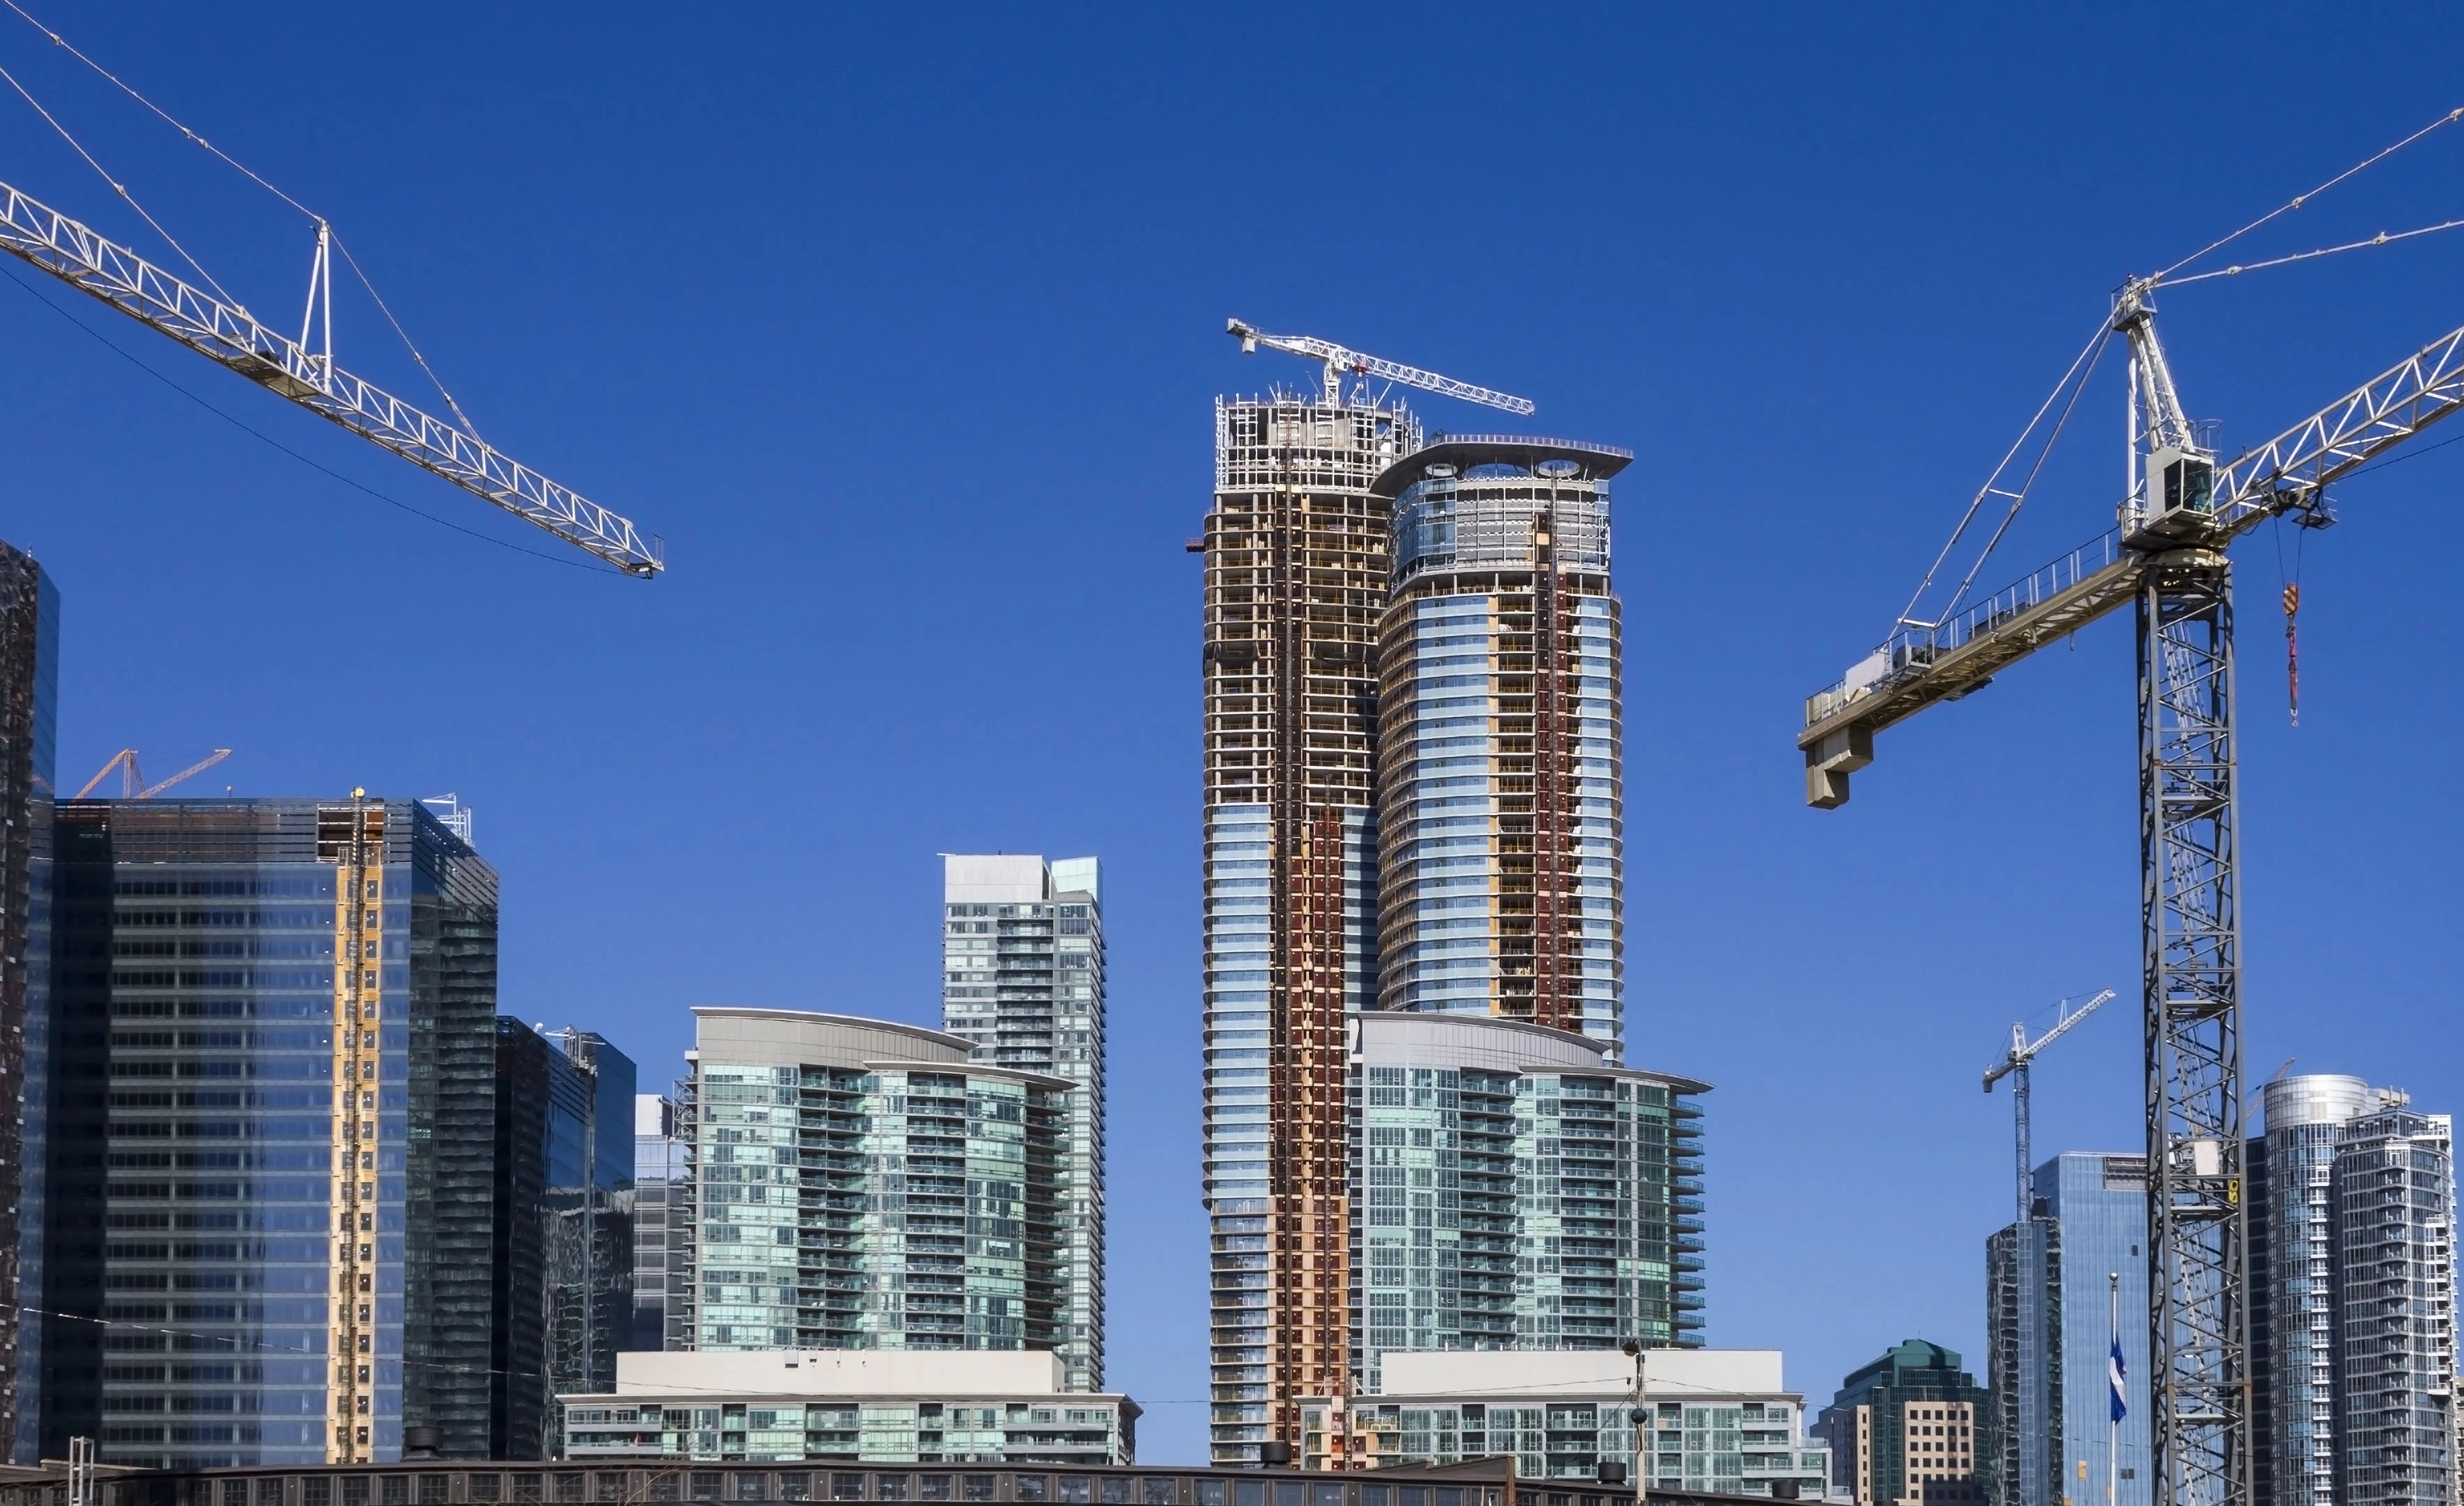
{"x":2292,"y":652}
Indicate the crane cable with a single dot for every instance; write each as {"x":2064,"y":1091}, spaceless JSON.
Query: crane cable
{"x":236,"y":165}
{"x":2287,"y":207}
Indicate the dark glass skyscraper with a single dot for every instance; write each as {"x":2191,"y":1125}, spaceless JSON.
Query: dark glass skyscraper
{"x":30,"y":631}
{"x":274,"y":1039}
{"x":661,"y":1212}
{"x":563,"y":1234}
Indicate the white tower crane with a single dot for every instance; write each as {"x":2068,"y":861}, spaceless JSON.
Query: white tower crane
{"x":2015,"y":1066}
{"x":1338,"y":360}
{"x":47,"y":239}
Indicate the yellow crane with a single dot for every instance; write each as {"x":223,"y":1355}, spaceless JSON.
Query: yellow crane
{"x":132,"y":780}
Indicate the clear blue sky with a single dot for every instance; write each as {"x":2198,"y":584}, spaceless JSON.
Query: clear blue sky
{"x":902,"y":325}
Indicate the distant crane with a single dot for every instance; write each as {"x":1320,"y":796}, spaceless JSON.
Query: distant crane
{"x":51,"y":241}
{"x":1340,"y":362}
{"x":2015,"y":1066}
{"x":132,"y":780}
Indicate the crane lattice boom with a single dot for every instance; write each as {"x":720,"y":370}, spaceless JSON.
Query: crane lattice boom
{"x":1916,"y":667}
{"x":125,"y":280}
{"x":1338,"y":360}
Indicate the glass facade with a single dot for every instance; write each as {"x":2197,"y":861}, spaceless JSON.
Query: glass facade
{"x":29,"y":636}
{"x":1514,"y":1191}
{"x":2089,"y":1225}
{"x":1501,"y":838}
{"x":272,"y":1039}
{"x":563,"y":1235}
{"x":2352,"y":1224}
{"x":1909,"y":1427}
{"x":1074,"y":1429}
{"x":1728,"y":1446}
{"x":1297,"y":551}
{"x":2395,"y":1309}
{"x":661,"y":1224}
{"x":862,"y":1184}
{"x":1023,"y":984}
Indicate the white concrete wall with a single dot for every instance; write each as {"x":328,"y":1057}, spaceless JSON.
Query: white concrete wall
{"x":1670,"y":1375}
{"x":841,"y":1372}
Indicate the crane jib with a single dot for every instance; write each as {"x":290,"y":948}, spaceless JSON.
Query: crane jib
{"x":115,"y":274}
{"x":1919,"y":667}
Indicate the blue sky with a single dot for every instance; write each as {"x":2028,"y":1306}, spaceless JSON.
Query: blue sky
{"x":902,"y":324}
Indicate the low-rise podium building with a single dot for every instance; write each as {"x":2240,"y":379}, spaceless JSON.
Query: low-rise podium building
{"x":881,"y":1405}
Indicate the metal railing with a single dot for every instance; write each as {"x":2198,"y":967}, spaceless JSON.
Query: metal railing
{"x":1914,"y":646}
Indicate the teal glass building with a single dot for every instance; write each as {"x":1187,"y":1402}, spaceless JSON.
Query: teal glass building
{"x":1513,"y":1190}
{"x":856,"y":1184}
{"x":1023,"y":984}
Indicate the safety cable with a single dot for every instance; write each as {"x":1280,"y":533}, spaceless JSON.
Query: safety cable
{"x":243,"y":169}
{"x":116,"y":187}
{"x":259,"y":434}
{"x":2449,"y":118}
{"x":2087,"y":354}
{"x":2382,"y":238}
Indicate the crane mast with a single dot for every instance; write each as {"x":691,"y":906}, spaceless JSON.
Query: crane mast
{"x":51,"y":242}
{"x":2015,"y":1066}
{"x":2167,"y":558}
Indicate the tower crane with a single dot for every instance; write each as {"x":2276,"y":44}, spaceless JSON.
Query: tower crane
{"x":2166,"y":558}
{"x":1338,"y":362}
{"x":2015,"y":1066}
{"x":120,"y":277}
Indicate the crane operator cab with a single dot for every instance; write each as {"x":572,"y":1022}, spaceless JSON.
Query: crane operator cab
{"x":2179,"y":504}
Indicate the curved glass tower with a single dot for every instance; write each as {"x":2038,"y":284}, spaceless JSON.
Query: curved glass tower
{"x":1500,"y":847}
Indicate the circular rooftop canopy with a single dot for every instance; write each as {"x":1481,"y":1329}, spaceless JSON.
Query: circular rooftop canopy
{"x":1528,"y":452}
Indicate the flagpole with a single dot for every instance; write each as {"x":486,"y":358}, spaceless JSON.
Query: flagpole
{"x":2113,"y":1413}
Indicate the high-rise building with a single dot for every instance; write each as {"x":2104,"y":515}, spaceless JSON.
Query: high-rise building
{"x":271,"y":1158}
{"x":1023,"y":984}
{"x":2075,"y":1263}
{"x":1297,"y":575}
{"x":562,"y":1256}
{"x":661,"y":1216}
{"x":1907,"y":1430}
{"x":29,"y":638}
{"x":2394,"y":1202}
{"x":1516,"y":1190}
{"x":2352,"y":1218}
{"x":1500,"y":836}
{"x":856,"y":1184}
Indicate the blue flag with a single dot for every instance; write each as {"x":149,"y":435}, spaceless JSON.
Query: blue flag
{"x":2116,"y":1372}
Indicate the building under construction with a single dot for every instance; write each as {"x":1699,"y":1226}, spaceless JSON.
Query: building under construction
{"x":1297,"y":565}
{"x":1502,"y":855}
{"x":1413,"y":807}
